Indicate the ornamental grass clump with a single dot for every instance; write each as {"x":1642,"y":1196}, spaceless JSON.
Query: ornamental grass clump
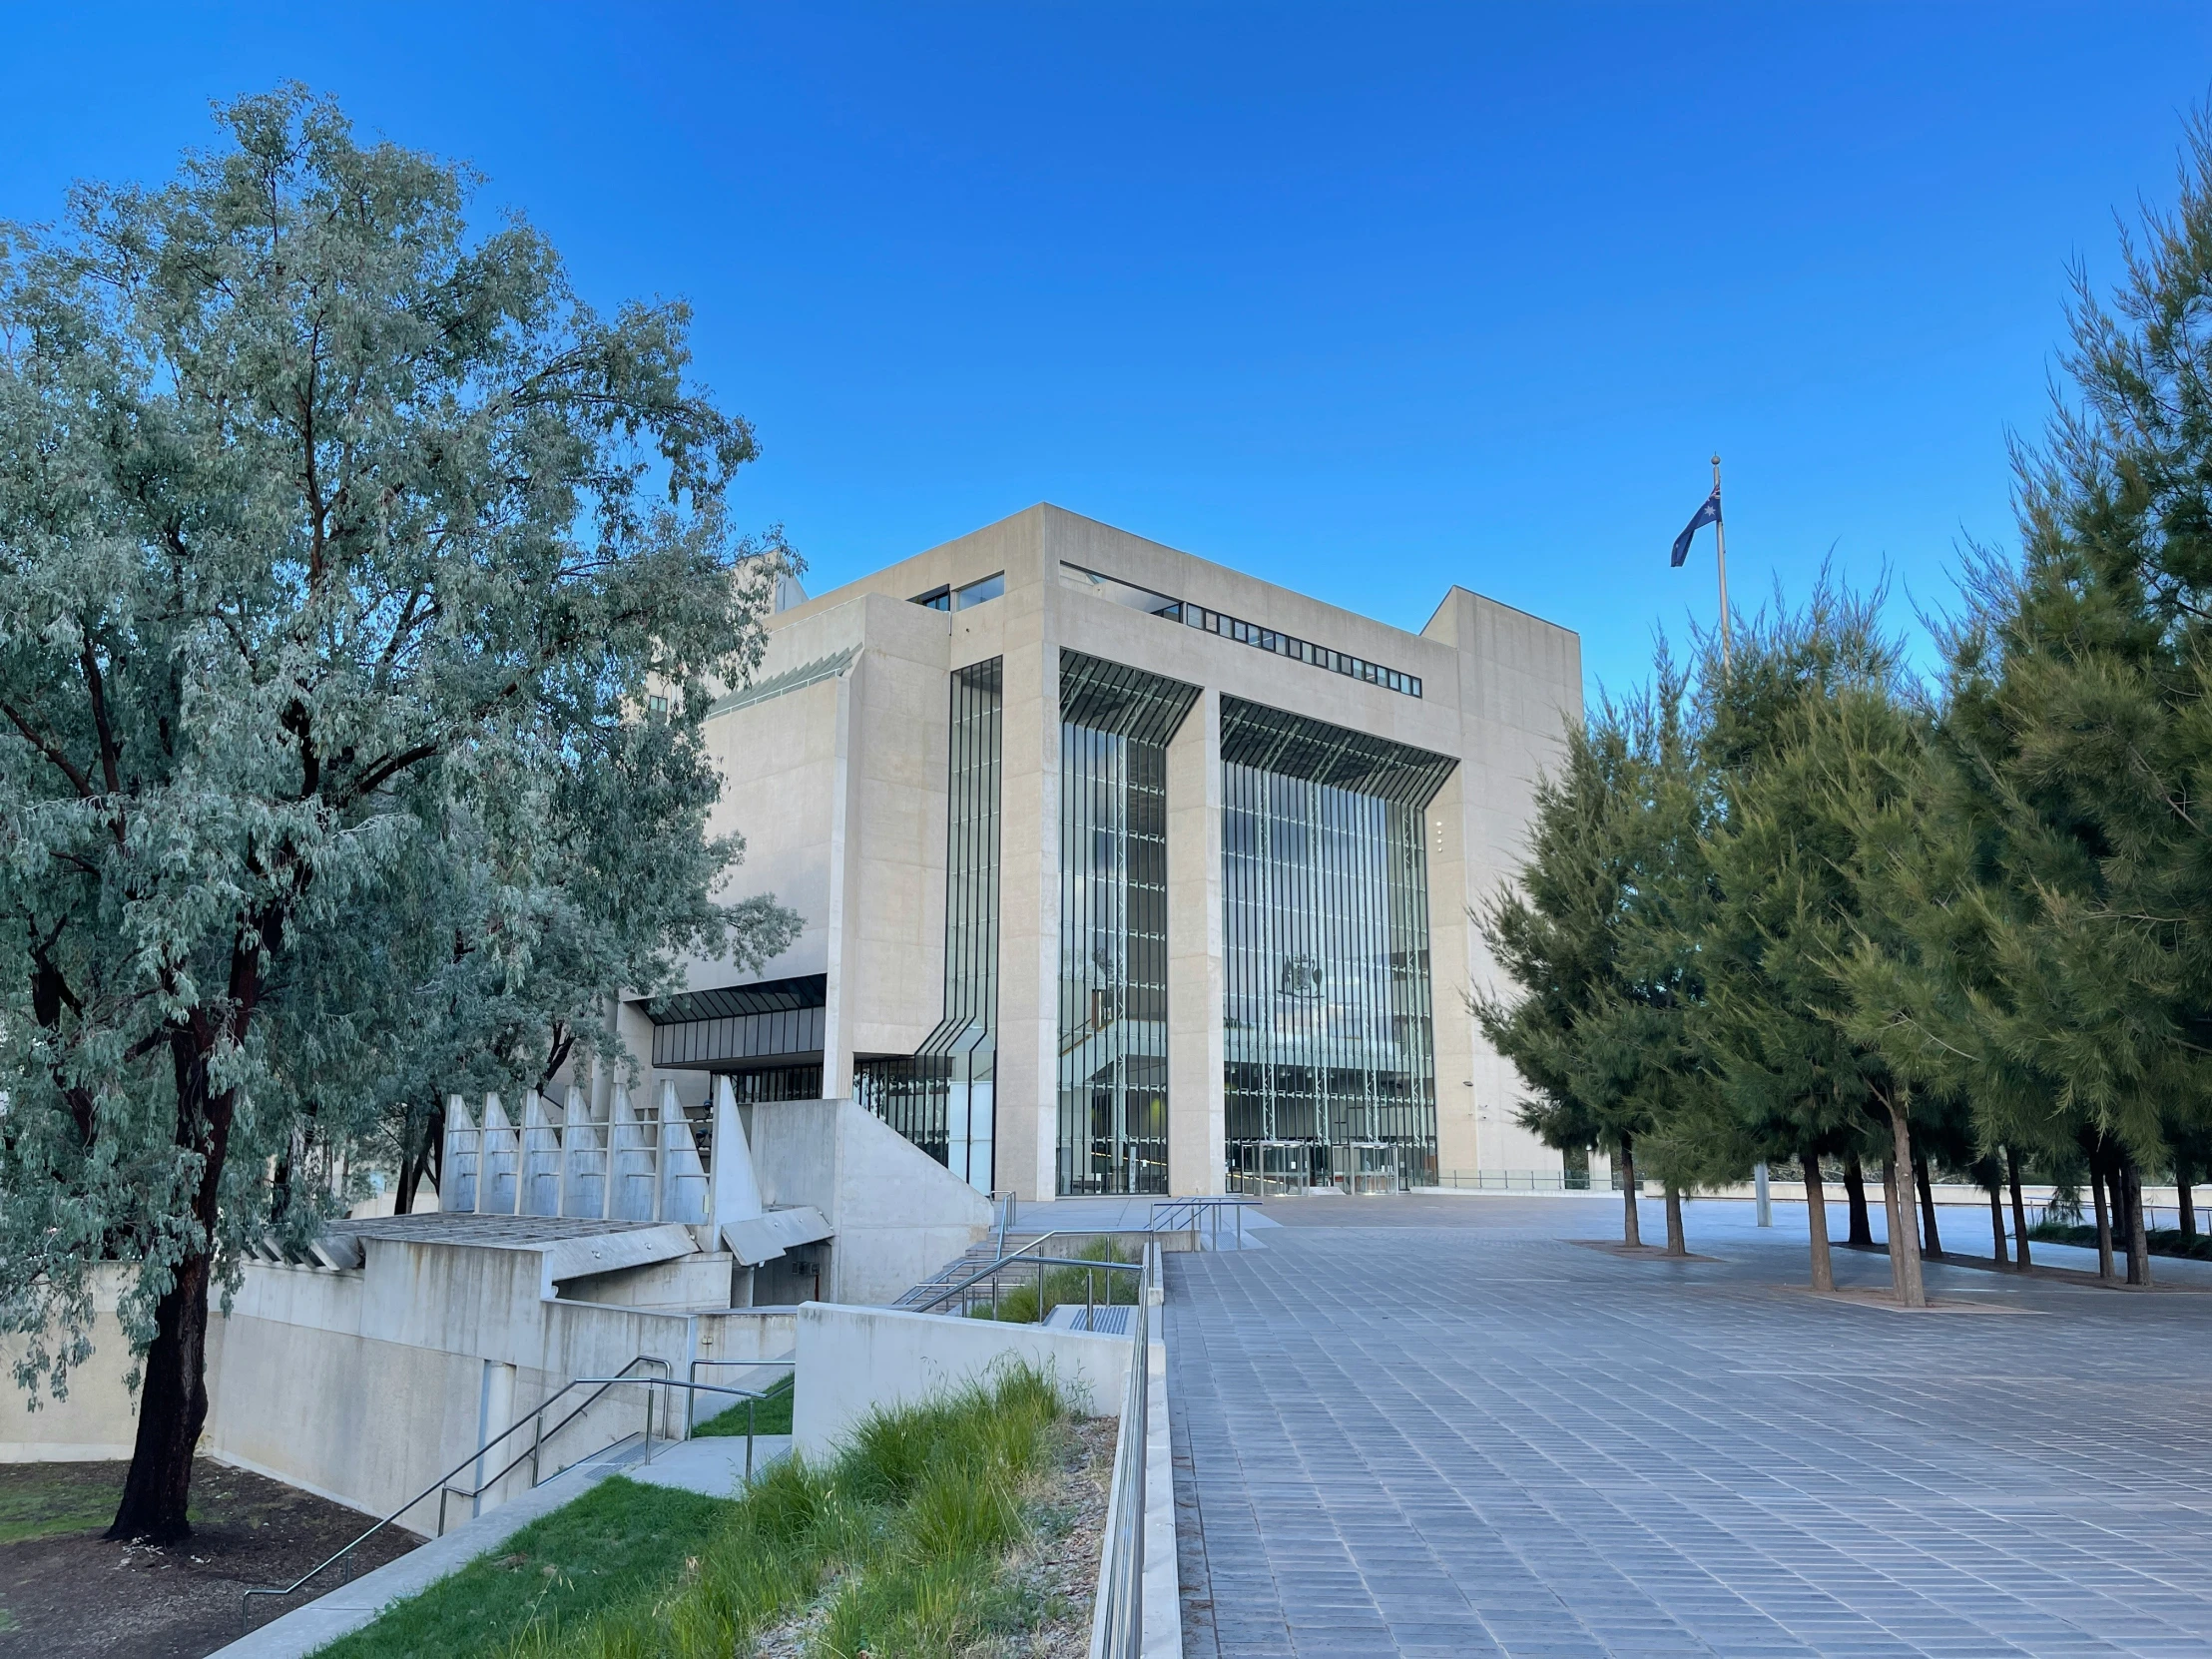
{"x":903,"y":1544}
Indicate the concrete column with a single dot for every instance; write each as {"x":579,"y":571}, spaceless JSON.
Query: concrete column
{"x":1029,"y":924}
{"x":1466,"y":1067}
{"x":495,"y":1411}
{"x":844,"y":841}
{"x":1197,"y":1124}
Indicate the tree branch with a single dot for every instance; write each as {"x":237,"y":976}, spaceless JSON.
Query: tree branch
{"x":76,"y":776}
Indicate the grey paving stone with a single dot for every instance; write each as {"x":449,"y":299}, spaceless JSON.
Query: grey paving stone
{"x":1472,"y":1437}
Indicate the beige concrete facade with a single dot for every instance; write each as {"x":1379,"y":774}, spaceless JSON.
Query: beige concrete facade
{"x":839,"y":784}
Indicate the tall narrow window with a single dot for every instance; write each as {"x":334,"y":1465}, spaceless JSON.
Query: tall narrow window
{"x":1114,"y":724}
{"x":943,"y":1097}
{"x":1329,"y":1054}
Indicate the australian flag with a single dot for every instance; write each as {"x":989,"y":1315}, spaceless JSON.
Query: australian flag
{"x":1710,"y":513}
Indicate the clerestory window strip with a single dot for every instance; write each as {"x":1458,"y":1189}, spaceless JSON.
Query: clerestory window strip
{"x":1271,"y":640}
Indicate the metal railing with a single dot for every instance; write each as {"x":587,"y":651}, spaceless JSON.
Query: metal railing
{"x":945,"y":1293}
{"x":1117,"y":1630}
{"x":751,"y":1403}
{"x":1192,"y":1215}
{"x":1516,"y":1180}
{"x":984,"y":1285}
{"x":1006,"y":1202}
{"x":444,"y":1489}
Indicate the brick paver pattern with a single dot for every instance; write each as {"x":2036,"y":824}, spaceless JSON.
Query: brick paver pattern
{"x":1479,"y":1439}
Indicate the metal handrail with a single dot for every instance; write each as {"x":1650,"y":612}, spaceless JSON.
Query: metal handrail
{"x":445,"y":1488}
{"x":1184,"y":1212}
{"x":983,"y":1272}
{"x":442,"y":1480}
{"x":992,"y":1269}
{"x":751,"y":1403}
{"x":1006,"y":1200}
{"x":1117,"y":1630}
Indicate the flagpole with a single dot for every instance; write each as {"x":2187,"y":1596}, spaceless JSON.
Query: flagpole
{"x":1720,"y":549}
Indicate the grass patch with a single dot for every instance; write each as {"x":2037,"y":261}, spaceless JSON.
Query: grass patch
{"x":771,"y":1415}
{"x":2163,"y":1240}
{"x":904,"y":1544}
{"x":1018,"y":1303}
{"x":47,"y":1500}
{"x":617,"y":1545}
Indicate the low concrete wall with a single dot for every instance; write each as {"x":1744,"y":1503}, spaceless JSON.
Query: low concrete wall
{"x":853,"y":1361}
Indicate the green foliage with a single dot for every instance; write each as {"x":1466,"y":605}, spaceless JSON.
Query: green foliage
{"x":1987,"y":905}
{"x":339,"y":547}
{"x":1814,"y":741}
{"x":617,"y":1545}
{"x":2055,"y":891}
{"x":45,"y":1500}
{"x":771,"y":1415}
{"x":2163,"y":1240}
{"x":1017,"y":1302}
{"x":902,"y":1544}
{"x":1595,"y":1021}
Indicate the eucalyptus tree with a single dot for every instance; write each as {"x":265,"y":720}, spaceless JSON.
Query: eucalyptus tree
{"x":336,"y":541}
{"x":1591,"y":1015}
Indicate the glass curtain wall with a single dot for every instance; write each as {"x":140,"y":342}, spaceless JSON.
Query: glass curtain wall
{"x":1327,"y":1034}
{"x":1115,"y":726}
{"x":943,"y":1096}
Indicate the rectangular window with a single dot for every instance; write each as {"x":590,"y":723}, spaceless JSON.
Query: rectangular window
{"x":1213,"y":621}
{"x":990,"y":587}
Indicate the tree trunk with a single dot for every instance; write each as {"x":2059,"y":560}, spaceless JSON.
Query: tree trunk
{"x":422,"y":1162}
{"x":1855,"y":1189}
{"x":1816,"y":1217}
{"x":2138,"y":1239}
{"x":1676,"y":1245}
{"x":1905,"y":1243}
{"x":2188,"y":1200}
{"x":172,"y":1410}
{"x":2105,"y":1216}
{"x":1632,"y":1233}
{"x":1932,"y":1241}
{"x":1996,"y":1219}
{"x":2019,"y":1211}
{"x":173,"y":1399}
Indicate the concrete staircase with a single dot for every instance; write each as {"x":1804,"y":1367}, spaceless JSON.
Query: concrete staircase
{"x":970,"y":1262}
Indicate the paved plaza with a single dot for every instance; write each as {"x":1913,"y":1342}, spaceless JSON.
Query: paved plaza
{"x":1434,"y":1426}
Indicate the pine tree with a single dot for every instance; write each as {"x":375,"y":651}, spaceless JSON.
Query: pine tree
{"x":2060,"y":888}
{"x":1593,"y":1019}
{"x":1788,"y":718}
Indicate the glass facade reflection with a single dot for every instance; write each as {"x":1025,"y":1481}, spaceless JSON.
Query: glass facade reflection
{"x":1328,"y":1033}
{"x":1116,"y":722}
{"x":943,"y":1096}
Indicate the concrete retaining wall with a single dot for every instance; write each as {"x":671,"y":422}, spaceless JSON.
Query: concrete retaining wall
{"x":366,"y":1385}
{"x":853,"y":1361}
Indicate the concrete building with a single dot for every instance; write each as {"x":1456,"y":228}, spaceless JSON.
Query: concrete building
{"x":1123,"y":871}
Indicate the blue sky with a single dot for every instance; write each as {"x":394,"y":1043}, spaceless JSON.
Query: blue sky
{"x":1363,"y":300}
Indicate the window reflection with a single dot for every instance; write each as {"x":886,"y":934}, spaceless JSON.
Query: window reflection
{"x":1113,"y":1066}
{"x":1328,"y":1065}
